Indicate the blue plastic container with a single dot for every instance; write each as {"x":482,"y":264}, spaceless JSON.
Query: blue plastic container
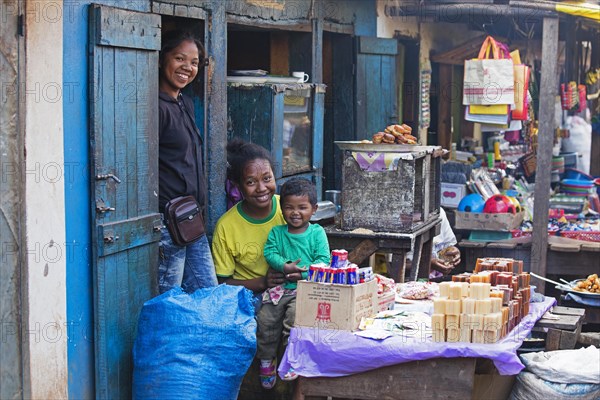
{"x":572,"y":173}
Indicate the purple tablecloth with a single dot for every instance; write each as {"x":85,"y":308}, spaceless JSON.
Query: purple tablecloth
{"x":329,"y":353}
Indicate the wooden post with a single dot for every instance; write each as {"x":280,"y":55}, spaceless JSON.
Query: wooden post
{"x":444,"y":130}
{"x":317,"y":44}
{"x":548,"y":91}
{"x":216,"y":116}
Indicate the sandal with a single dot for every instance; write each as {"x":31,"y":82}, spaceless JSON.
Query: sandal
{"x":268,"y":373}
{"x":290,"y":375}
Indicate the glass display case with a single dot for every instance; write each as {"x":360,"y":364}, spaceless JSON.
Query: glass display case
{"x":297,"y":132}
{"x":286,"y":119}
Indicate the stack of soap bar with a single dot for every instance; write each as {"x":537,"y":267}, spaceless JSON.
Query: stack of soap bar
{"x":492,"y":327}
{"x":464,"y":277}
{"x":478,"y":317}
{"x":506,"y":275}
{"x":495,"y":264}
{"x":479,"y":290}
{"x":438,"y":325}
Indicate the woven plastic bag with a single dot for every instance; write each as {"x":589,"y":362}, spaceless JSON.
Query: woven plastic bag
{"x":194,"y":346}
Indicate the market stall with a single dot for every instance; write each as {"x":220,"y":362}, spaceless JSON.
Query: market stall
{"x":314,"y":352}
{"x":511,"y":164}
{"x":348,"y":341}
{"x":528,"y":174}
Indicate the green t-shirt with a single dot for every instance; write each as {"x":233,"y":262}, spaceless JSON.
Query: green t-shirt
{"x":310,"y":247}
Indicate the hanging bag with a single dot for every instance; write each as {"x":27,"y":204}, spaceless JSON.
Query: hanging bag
{"x":489,"y":81}
{"x":519,"y":111}
{"x":183,"y":218}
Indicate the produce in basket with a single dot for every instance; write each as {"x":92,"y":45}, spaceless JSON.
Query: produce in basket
{"x":589,"y":285}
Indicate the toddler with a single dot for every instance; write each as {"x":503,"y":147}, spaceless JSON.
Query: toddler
{"x":296,"y":244}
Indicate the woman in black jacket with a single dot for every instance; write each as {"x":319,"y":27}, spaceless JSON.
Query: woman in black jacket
{"x":180,"y":161}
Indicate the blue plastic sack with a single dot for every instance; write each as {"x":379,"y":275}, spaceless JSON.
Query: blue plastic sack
{"x":194,"y":346}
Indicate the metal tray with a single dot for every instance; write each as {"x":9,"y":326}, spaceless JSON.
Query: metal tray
{"x":385,"y":148}
{"x":582,"y":294}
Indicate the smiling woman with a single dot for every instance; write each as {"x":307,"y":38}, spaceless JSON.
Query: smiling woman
{"x":180,"y":162}
{"x":241,"y":233}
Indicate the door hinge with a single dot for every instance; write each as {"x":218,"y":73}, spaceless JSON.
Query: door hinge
{"x":21,"y":25}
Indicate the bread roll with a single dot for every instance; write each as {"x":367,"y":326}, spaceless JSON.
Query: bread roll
{"x":378,"y":137}
{"x":401,"y":139}
{"x":399,"y":130}
{"x":389,"y":138}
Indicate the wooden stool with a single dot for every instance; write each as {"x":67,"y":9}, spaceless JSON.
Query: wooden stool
{"x":564,"y":330}
{"x":592,"y":314}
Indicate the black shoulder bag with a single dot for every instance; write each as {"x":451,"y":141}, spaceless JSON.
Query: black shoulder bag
{"x":183,"y":217}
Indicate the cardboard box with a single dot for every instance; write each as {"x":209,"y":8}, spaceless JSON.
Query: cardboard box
{"x":488,"y":222}
{"x":386,"y":301}
{"x":334,"y":306}
{"x":452,"y":193}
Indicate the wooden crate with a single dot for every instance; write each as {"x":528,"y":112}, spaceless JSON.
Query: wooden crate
{"x":400,"y":199}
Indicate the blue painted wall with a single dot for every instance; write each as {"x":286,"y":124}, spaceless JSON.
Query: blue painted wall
{"x":80,"y":311}
{"x":77,"y":200}
{"x":365,"y":13}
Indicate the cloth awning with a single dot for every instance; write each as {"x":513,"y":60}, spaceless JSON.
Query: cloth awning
{"x":579,"y":9}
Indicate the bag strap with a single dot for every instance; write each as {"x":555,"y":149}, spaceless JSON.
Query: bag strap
{"x":191,"y":118}
{"x":504,"y":51}
{"x":498,"y":50}
{"x":197,"y":132}
{"x":488,"y":44}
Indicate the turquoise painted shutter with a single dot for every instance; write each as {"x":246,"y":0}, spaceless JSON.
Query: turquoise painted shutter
{"x":376,"y":97}
{"x":124,"y":164}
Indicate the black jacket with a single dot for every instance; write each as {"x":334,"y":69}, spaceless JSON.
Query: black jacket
{"x":179,"y":151}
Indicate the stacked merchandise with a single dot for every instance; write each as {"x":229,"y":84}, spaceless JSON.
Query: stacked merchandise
{"x":573,"y":96}
{"x":338,"y":295}
{"x":339,"y":270}
{"x":482,"y":307}
{"x":507,"y":275}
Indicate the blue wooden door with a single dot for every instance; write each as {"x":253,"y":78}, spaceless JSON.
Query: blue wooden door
{"x":376,"y":93}
{"x":124,"y":165}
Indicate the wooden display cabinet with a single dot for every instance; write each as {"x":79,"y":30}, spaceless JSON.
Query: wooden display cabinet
{"x":286,"y":119}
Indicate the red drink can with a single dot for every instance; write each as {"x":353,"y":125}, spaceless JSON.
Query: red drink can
{"x":312,"y":273}
{"x":343,"y":256}
{"x":339,"y":258}
{"x":352,"y":276}
{"x":320,"y":274}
